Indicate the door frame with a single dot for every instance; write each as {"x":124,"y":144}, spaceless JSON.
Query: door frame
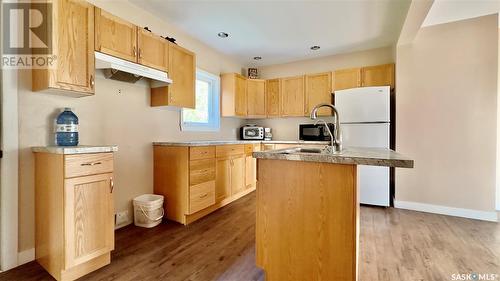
{"x":9,"y":166}
{"x":9,"y":177}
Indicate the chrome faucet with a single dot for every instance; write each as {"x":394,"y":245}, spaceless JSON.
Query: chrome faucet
{"x":336,"y":137}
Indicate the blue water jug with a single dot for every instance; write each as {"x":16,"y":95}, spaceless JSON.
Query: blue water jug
{"x":66,"y":128}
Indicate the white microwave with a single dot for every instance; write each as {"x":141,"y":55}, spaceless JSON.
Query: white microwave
{"x":252,"y":132}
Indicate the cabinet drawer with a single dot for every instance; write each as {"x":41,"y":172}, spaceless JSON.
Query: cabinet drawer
{"x":77,"y":165}
{"x":201,"y":196}
{"x":201,"y":152}
{"x":228,"y":150}
{"x":201,"y":171}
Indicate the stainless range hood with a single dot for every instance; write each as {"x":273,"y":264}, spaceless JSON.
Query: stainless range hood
{"x":126,"y":71}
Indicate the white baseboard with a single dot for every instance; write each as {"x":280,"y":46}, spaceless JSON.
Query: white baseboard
{"x":450,"y":211}
{"x":25,"y":256}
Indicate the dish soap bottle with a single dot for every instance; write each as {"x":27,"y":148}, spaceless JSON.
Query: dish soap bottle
{"x":66,"y":128}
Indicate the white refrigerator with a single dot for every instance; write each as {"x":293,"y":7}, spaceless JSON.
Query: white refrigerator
{"x":365,"y":122}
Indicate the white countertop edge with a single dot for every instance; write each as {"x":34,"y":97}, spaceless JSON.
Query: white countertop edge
{"x":80,"y":149}
{"x":223,"y":142}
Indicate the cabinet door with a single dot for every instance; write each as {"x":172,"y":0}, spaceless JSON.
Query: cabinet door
{"x":346,"y":79}
{"x":238,"y":174}
{"x":74,"y":38}
{"x":114,"y":36}
{"x":240,"y":96}
{"x":292,"y":96}
{"x":256,"y":98}
{"x":319,"y":90}
{"x":378,"y":75}
{"x":88,"y":218}
{"x":273,"y":98}
{"x":223,"y":179}
{"x":153,"y":50}
{"x":250,"y":171}
{"x":182,"y":71}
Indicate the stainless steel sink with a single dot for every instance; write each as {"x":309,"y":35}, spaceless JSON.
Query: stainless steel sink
{"x":299,"y":150}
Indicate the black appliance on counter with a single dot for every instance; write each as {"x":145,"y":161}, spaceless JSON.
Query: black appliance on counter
{"x":311,"y":132}
{"x":251,"y":132}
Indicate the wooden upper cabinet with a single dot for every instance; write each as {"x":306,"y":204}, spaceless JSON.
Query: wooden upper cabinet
{"x":182,"y":71}
{"x":273,"y":94}
{"x":153,"y":50}
{"x":319,"y":90}
{"x":293,"y":96}
{"x":378,"y":75}
{"x":73,"y":45}
{"x":114,"y":36}
{"x":346,"y":78}
{"x":234,"y":95}
{"x":256,"y":98}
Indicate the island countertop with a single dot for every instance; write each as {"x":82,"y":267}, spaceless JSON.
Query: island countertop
{"x":349,"y":155}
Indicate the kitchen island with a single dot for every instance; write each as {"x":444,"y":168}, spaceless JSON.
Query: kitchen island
{"x":308,"y":211}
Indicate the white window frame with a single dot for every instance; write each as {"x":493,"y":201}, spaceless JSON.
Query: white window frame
{"x":213,"y":124}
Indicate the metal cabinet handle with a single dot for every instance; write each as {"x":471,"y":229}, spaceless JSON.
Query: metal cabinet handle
{"x":204,"y":195}
{"x":135,"y":51}
{"x":92,"y":80}
{"x":111,"y":184}
{"x":140,"y":53}
{"x":91,"y":164}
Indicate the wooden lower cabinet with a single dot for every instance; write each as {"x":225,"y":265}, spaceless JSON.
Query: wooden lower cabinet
{"x":198,"y":180}
{"x":238,"y":174}
{"x":74,"y":216}
{"x":223,"y":179}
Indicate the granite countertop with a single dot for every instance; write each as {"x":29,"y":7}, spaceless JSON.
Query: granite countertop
{"x":81,"y":149}
{"x":349,"y":155}
{"x":223,"y":142}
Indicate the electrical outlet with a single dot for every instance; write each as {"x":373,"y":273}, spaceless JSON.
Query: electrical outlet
{"x":121,"y":218}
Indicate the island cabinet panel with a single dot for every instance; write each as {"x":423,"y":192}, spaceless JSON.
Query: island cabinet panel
{"x":273,"y":97}
{"x":319,"y":90}
{"x":198,"y":180}
{"x":153,"y":50}
{"x":378,"y":75}
{"x":234,"y":95}
{"x":307,"y":217}
{"x":73,"y":45}
{"x":256,"y":98}
{"x":293,"y":96}
{"x":74,"y":216}
{"x":114,"y":36}
{"x":346,"y":78}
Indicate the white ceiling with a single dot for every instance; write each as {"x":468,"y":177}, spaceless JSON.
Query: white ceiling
{"x":443,"y":11}
{"x":283,"y":31}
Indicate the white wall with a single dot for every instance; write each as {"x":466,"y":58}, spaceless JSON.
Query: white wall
{"x":124,"y":119}
{"x":446,"y":111}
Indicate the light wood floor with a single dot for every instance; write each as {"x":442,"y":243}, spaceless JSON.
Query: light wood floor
{"x":395,"y":245}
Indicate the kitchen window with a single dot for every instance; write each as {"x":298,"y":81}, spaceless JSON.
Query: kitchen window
{"x":206,"y":115}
